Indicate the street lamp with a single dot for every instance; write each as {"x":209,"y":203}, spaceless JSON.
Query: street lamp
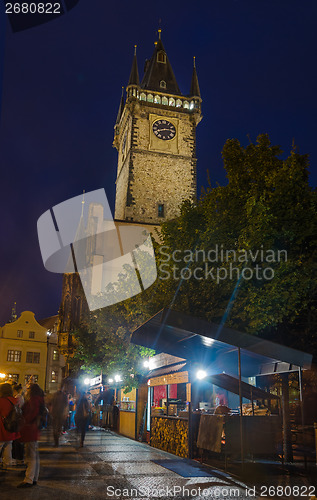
{"x":117,"y":378}
{"x":110,"y":380}
{"x":2,"y":375}
{"x":201,"y":374}
{"x":87,"y":381}
{"x":149,"y":363}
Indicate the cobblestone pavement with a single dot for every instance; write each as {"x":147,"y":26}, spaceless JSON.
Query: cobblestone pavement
{"x":112,"y":466}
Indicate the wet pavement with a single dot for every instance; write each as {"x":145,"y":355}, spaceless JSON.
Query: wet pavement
{"x":112,"y":466}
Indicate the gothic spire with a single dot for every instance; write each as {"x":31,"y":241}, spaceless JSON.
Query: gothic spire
{"x":194,"y":87}
{"x":134,"y":75}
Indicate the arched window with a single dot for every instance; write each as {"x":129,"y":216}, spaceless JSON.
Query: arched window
{"x":178,"y":103}
{"x":192,"y":104}
{"x":161,"y":57}
{"x":171,"y":101}
{"x":157,"y":99}
{"x":165,"y":101}
{"x":186,"y":105}
{"x":134,"y":92}
{"x":163,"y":84}
{"x":150,"y":98}
{"x":143,"y":97}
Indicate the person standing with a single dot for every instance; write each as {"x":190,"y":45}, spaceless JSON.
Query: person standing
{"x":82,"y":417}
{"x":17,"y":446}
{"x":7,"y":401}
{"x":31,"y":410}
{"x":59,"y":413}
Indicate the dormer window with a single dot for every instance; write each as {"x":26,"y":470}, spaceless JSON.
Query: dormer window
{"x":161,"y":57}
{"x":163,"y":84}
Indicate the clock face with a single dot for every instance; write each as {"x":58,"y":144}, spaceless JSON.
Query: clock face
{"x":164,"y":130}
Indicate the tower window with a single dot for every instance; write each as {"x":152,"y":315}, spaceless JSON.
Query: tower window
{"x":171,"y":102}
{"x":163,"y":84}
{"x":157,"y":99}
{"x":160,"y":210}
{"x":150,"y":98}
{"x":143,"y":97}
{"x":186,"y":105}
{"x":165,"y":101}
{"x":178,"y":103}
{"x":161,"y":57}
{"x":191,"y":106}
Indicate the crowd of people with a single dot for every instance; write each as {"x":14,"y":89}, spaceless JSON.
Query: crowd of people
{"x":23,"y":413}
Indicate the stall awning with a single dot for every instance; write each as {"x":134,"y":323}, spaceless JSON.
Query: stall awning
{"x":216,"y":346}
{"x":231,"y":384}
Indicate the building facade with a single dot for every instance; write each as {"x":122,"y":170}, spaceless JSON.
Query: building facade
{"x":56,"y":363}
{"x":23,"y":350}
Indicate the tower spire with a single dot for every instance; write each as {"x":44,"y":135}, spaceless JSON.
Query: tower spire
{"x":121,"y":106}
{"x":134,"y":74}
{"x":14,"y":316}
{"x":194,"y":87}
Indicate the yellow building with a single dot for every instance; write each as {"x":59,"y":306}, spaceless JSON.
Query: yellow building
{"x":23,"y":350}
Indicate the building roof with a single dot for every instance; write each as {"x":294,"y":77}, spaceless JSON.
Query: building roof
{"x":156,"y":71}
{"x":49,"y":322}
{"x":216,"y":346}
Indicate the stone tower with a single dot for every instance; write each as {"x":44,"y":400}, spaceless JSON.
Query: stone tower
{"x":155,"y":135}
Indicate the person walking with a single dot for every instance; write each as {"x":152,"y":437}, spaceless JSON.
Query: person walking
{"x":7,"y":401}
{"x":59,"y":413}
{"x":31,"y":410}
{"x":82,"y":417}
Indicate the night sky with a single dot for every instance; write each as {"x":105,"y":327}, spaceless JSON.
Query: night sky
{"x":256,"y":63}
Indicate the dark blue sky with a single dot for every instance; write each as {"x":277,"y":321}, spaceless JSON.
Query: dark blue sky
{"x":256,"y":63}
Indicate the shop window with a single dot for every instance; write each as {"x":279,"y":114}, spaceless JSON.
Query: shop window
{"x":163,"y":84}
{"x":31,"y":335}
{"x":165,"y":101}
{"x":14,"y":377}
{"x":14,"y":356}
{"x":161,"y":57}
{"x":171,"y":102}
{"x":178,"y":103}
{"x":20,"y":334}
{"x":55,"y":355}
{"x":157,"y":99}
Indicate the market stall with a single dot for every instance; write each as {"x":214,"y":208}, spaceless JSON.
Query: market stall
{"x":212,"y":350}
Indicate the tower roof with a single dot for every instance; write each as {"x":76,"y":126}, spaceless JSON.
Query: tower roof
{"x":134,"y":75}
{"x":159,"y":69}
{"x":194,"y":86}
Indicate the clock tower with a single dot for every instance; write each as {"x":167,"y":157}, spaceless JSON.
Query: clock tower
{"x":155,"y":135}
